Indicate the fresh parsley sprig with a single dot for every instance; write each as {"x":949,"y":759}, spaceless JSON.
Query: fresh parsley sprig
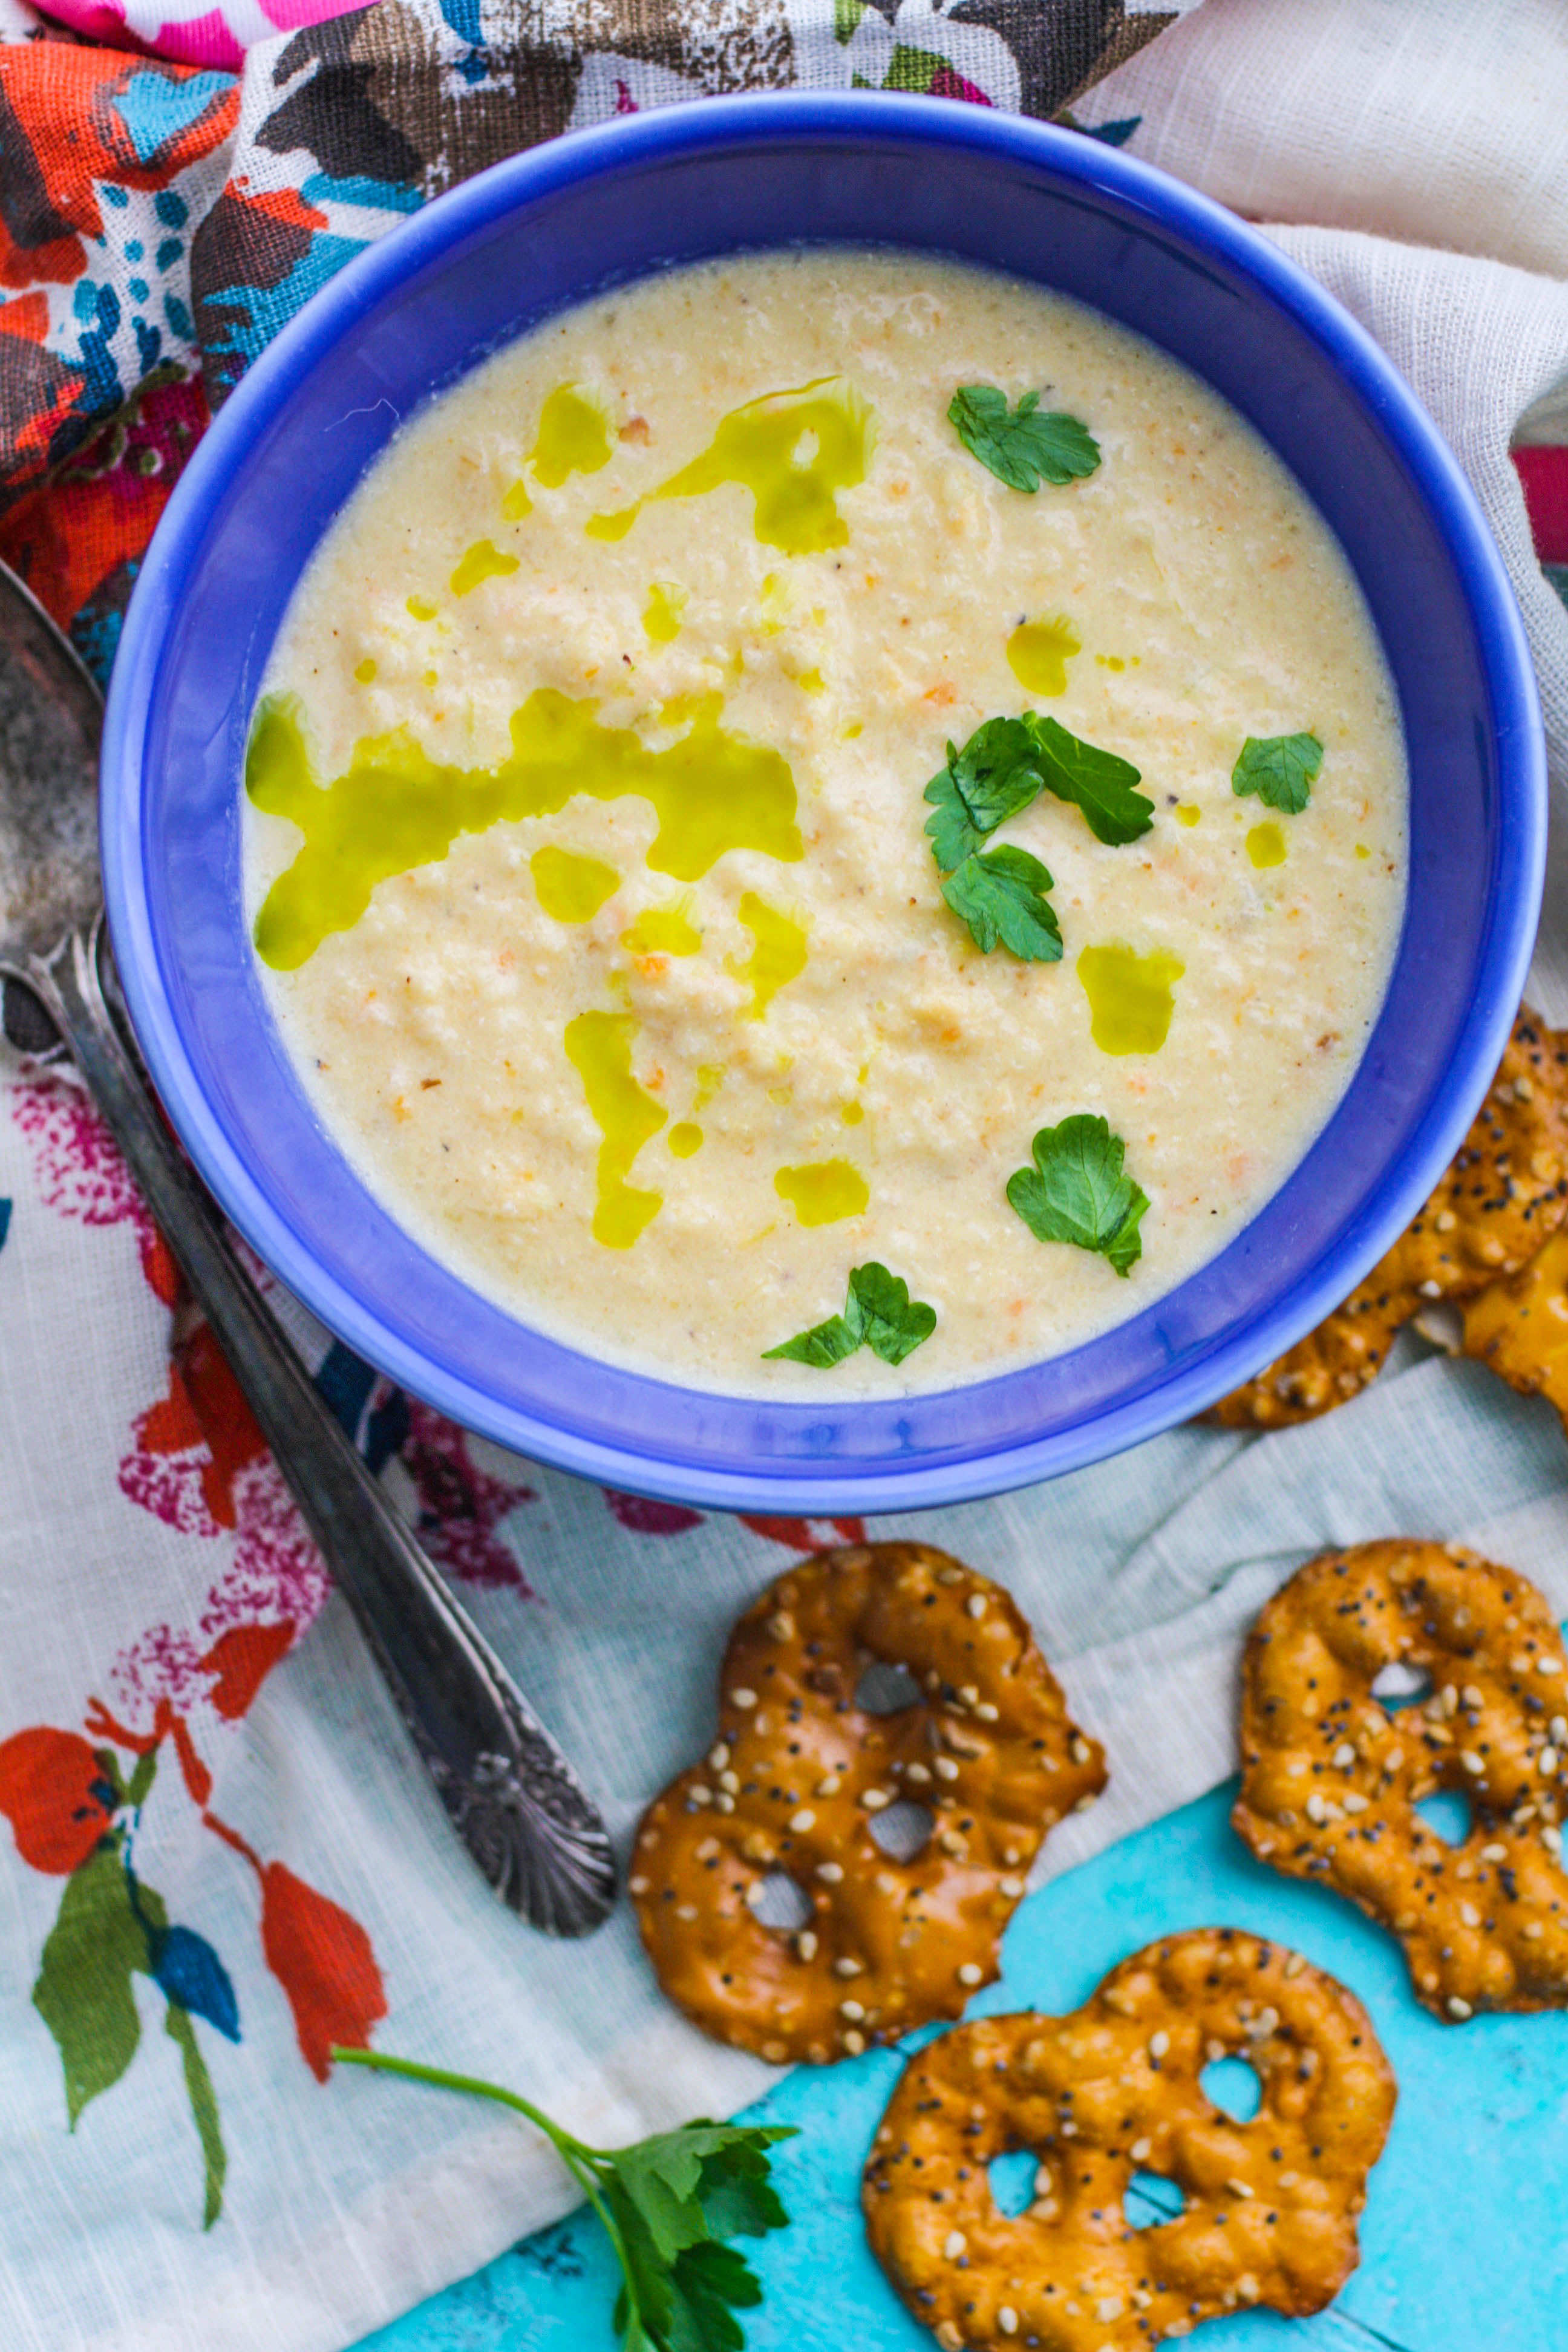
{"x":1000,"y":895}
{"x":1098,"y":782}
{"x":670,"y":2205}
{"x":998,"y":772}
{"x":1077,"y":1192}
{"x":1281,"y":769}
{"x":1025,"y":445}
{"x":1006,"y":763}
{"x":878,"y":1314}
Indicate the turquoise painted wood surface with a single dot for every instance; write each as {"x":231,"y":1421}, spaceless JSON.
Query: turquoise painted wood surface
{"x":1464,"y":2240}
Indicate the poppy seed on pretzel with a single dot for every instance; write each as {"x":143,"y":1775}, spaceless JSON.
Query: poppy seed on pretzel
{"x":802,"y":1770}
{"x":1331,"y":1779}
{"x":1269,"y":2216}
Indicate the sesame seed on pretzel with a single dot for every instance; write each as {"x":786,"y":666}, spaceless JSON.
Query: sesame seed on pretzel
{"x":1331,"y":1779}
{"x":1504,"y":1192}
{"x":1269,"y":2207}
{"x":800,"y":1773}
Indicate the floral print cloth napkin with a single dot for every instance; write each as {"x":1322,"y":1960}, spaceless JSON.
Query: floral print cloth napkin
{"x":217,"y":1855}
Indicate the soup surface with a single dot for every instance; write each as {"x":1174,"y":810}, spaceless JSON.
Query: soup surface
{"x":671,"y":909}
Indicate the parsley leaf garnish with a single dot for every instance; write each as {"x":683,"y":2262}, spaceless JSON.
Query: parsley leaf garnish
{"x":998,"y":772}
{"x":1006,"y":763}
{"x":1281,"y":769}
{"x":878,"y":1314}
{"x":1000,"y":895}
{"x":1098,"y":782}
{"x":824,"y":1345}
{"x":670,"y":2206}
{"x":1026,"y":446}
{"x":1077,"y":1192}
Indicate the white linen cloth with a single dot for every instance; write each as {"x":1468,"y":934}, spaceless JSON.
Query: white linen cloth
{"x":1358,"y":125}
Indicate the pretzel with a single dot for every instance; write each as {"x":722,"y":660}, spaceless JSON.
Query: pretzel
{"x":1330,"y":1780}
{"x":1330,"y":1365}
{"x":798,"y":1775}
{"x":1271,"y":2205}
{"x":1519,"y":1327}
{"x":1505,"y":1191}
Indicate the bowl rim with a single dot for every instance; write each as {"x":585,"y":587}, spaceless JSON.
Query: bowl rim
{"x":802,"y":1485}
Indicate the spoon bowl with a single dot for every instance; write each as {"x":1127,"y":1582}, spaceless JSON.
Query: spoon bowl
{"x":51,"y":714}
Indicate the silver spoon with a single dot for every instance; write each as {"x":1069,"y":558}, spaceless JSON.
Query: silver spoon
{"x":514,"y":1799}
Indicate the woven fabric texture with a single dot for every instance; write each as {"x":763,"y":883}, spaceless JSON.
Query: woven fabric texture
{"x":217,"y":1855}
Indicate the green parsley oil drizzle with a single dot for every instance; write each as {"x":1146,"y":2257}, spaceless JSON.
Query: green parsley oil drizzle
{"x":794,"y":451}
{"x":599,"y":1048}
{"x":777,"y":958}
{"x":824,"y":1190}
{"x":1129,"y":997}
{"x":666,"y":600}
{"x":483,"y":560}
{"x":572,"y":889}
{"x":1266,"y":845}
{"x":395,"y":808}
{"x":574,"y":437}
{"x":1039,"y":653}
{"x":663,"y":930}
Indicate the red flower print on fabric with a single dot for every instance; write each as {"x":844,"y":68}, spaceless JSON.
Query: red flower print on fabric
{"x":459,"y":1504}
{"x":80,"y":1175}
{"x":323,"y":1961}
{"x":91,"y":86}
{"x":200,"y":1465}
{"x":54,"y":1794}
{"x":644,"y":1516}
{"x":239,"y":1663}
{"x":946,"y":83}
{"x":801,"y":1535}
{"x":75,"y":1808}
{"x":275,"y":1579}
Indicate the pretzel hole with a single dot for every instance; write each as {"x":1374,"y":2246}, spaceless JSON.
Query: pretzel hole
{"x":1397,"y":1685}
{"x":903,"y":1830}
{"x":1234,"y":2087}
{"x":1013,"y":2176}
{"x":1447,"y":1815}
{"x":780,"y":1903}
{"x":887,"y":1689}
{"x":1149,"y":2200}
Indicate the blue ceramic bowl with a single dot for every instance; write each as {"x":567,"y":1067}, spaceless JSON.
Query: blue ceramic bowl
{"x":548,"y":228}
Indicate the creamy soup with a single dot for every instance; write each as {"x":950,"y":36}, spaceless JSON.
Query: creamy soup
{"x":659,"y":921}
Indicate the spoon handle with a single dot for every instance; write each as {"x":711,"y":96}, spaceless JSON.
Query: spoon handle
{"x":514,"y":1799}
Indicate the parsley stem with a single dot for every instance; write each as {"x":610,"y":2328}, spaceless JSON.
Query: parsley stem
{"x":413,"y":2072}
{"x":580,"y":2161}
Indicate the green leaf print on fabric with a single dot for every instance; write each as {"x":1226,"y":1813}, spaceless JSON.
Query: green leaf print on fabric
{"x":110,"y":1928}
{"x":83,"y":1992}
{"x":912,"y":70}
{"x":204,"y":2108}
